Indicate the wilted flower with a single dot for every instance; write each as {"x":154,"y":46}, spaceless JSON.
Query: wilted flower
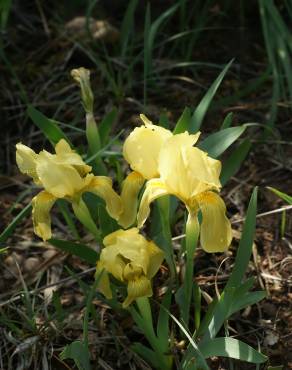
{"x":193,"y":177}
{"x":62,"y":175}
{"x":131,"y":259}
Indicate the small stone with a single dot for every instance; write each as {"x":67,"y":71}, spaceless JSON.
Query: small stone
{"x":49,"y":253}
{"x":30,"y":264}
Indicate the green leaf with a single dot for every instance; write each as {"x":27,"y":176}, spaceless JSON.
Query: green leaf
{"x":163,"y":321}
{"x":48,"y":126}
{"x":203,"y":106}
{"x":227,"y":121}
{"x":106,"y":223}
{"x":78,"y":352}
{"x":250,"y":298}
{"x":11,"y":227}
{"x":218,"y":142}
{"x":287,"y":198}
{"x":127,"y":26}
{"x":146,"y":353}
{"x":183,"y":122}
{"x":220,"y":314}
{"x":81,"y":250}
{"x":106,"y":125}
{"x":231,"y":348}
{"x":245,"y":244}
{"x":232,"y":164}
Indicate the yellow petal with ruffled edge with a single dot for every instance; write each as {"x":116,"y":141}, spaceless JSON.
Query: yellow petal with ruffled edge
{"x":65,"y":155}
{"x":142,"y":147}
{"x":113,"y":261}
{"x":131,"y":246}
{"x":216,"y":232}
{"x":156,"y":257}
{"x":103,"y":282}
{"x":140,"y":287}
{"x":59,"y":179}
{"x":129,"y":195}
{"x":41,"y":207}
{"x":113,"y":237}
{"x":154,"y":189}
{"x":102,"y":187}
{"x":26,"y":161}
{"x":186,"y":170}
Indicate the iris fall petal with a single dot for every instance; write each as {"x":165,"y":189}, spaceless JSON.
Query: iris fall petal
{"x":216,"y":233}
{"x":41,"y":206}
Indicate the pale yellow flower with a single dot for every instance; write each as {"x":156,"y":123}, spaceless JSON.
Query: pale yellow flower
{"x":131,"y":259}
{"x":141,"y":150}
{"x":193,"y":177}
{"x":62,"y":175}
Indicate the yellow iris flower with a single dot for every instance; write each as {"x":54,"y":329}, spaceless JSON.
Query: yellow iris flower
{"x":140,"y":150}
{"x":62,"y":175}
{"x":131,"y":259}
{"x":193,"y":177}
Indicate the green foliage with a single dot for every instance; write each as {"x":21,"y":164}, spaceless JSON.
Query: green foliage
{"x":11,"y":227}
{"x":81,"y":250}
{"x":49,"y":127}
{"x":287,"y":198}
{"x":231,"y":348}
{"x":78,"y":352}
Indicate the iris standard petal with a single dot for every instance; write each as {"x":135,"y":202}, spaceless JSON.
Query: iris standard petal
{"x":174,"y":169}
{"x":204,"y":169}
{"x":154,"y":189}
{"x":26,"y":161}
{"x":129,"y":195}
{"x":216,"y":232}
{"x":142,"y":147}
{"x":113,"y":262}
{"x":131,"y":246}
{"x":156,"y":257}
{"x":116,"y":235}
{"x":102,"y":187}
{"x":140,"y":287}
{"x":103,"y":282}
{"x":41,"y":207}
{"x":65,"y":155}
{"x":59,"y":179}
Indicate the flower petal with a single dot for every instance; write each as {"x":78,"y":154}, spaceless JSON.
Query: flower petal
{"x":103,"y":283}
{"x":142,"y":147}
{"x":140,"y":287}
{"x":216,"y":232}
{"x":65,"y":155}
{"x":131,"y":246}
{"x":59,"y":179}
{"x":130,"y":191}
{"x":102,"y":187}
{"x":186,"y":170}
{"x":112,"y":238}
{"x":41,"y":206}
{"x":113,"y":262}
{"x":26,"y":161}
{"x":156,"y":256}
{"x":155,"y":188}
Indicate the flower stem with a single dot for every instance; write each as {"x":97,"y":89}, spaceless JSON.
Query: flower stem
{"x":192,"y":233}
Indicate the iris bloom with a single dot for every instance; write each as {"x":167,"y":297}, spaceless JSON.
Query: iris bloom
{"x":62,"y":175}
{"x":193,"y":177}
{"x":131,"y":259}
{"x":141,"y":150}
